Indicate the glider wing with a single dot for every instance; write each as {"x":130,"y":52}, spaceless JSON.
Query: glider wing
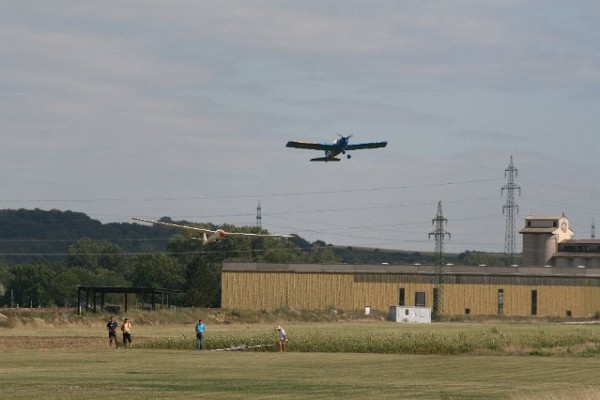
{"x":177,"y":226}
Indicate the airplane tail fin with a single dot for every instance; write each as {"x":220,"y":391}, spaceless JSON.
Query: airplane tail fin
{"x":325,"y":159}
{"x":204,"y":238}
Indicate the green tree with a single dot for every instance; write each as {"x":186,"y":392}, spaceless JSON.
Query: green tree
{"x":93,"y":254}
{"x":480,"y":258}
{"x":100,"y":277}
{"x":157,"y":271}
{"x":277,"y":255}
{"x":203,"y":284}
{"x":275,"y":250}
{"x":31,"y":284}
{"x":64,"y":286}
{"x":320,"y":253}
{"x":5,"y":278}
{"x":184,"y":247}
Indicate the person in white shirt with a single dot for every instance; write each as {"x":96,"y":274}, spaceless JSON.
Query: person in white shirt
{"x":282,"y":337}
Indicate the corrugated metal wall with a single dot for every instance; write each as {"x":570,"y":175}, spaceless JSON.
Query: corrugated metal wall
{"x":353,"y":291}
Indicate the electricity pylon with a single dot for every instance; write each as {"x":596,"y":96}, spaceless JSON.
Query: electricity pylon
{"x":510,"y":209}
{"x":439,"y":233}
{"x":258,"y":216}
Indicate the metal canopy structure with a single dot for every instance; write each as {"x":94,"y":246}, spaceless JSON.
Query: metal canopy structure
{"x":92,"y":291}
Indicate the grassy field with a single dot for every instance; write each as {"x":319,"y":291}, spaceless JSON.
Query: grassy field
{"x":487,"y":360}
{"x":172,"y":374}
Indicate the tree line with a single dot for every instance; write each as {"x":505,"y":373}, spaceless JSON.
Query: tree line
{"x":182,"y":263}
{"x":45,"y":255}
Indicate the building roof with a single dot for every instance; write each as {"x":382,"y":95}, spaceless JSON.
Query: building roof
{"x":448,"y":270}
{"x":582,"y":241}
{"x":544,"y":217}
{"x":548,"y":230}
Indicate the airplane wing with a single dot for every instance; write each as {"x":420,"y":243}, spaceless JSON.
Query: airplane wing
{"x":256,"y":234}
{"x":310,"y":145}
{"x":371,"y":145}
{"x":177,"y":226}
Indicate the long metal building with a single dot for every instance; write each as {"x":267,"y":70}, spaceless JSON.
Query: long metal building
{"x":561,"y":278}
{"x":510,"y":291}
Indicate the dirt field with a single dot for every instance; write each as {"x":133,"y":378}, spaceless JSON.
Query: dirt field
{"x":48,"y":343}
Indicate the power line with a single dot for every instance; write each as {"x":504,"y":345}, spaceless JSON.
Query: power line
{"x":251,"y":196}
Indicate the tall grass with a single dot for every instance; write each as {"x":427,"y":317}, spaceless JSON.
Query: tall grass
{"x":469,"y":341}
{"x":219,"y":341}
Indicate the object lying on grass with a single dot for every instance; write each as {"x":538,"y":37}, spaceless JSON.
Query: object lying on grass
{"x":243,"y":347}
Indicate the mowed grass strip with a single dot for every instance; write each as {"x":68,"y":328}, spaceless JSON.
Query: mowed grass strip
{"x":175,"y":374}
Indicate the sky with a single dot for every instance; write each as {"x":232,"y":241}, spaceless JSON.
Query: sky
{"x":155,"y":108}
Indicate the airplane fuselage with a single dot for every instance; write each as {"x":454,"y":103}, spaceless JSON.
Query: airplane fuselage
{"x":339,"y":147}
{"x":214,"y":237}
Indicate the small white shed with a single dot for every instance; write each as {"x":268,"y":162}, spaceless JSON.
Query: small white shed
{"x":414,"y":315}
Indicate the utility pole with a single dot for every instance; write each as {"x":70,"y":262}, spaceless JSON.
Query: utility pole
{"x":258,"y":216}
{"x":510,"y":209}
{"x":439,"y":233}
{"x":593,"y":235}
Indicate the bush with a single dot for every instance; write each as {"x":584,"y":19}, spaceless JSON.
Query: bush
{"x":8,"y":323}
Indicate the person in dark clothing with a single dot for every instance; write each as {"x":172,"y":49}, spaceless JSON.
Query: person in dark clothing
{"x":112,"y":326}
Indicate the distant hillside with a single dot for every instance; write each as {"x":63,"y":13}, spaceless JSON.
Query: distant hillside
{"x":368,"y":255}
{"x":27,"y":235}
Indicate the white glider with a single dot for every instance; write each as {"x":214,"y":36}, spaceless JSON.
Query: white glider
{"x":210,"y":236}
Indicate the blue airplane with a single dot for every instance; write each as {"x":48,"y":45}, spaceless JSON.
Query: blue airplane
{"x":339,"y":146}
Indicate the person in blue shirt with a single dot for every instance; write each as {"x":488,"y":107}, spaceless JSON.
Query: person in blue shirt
{"x":200,"y":329}
{"x":112,"y":326}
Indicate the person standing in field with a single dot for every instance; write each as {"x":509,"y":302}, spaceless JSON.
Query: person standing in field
{"x":282,"y":338}
{"x":126,"y":329}
{"x":200,"y":329}
{"x":112,"y":326}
